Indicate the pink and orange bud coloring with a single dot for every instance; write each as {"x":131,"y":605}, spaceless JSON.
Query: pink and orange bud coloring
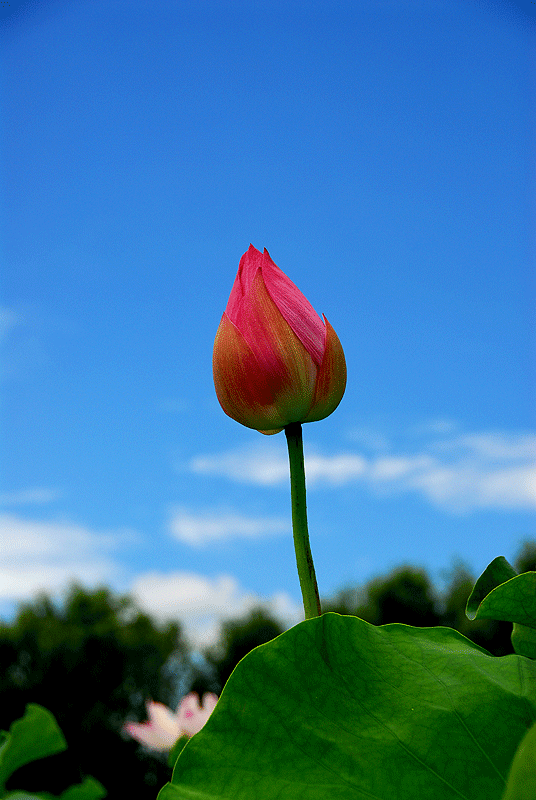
{"x":275,"y":361}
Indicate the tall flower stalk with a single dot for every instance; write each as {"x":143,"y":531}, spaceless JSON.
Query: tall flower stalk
{"x":276,"y":364}
{"x":300,"y":530}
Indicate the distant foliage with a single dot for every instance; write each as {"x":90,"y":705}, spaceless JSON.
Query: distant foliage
{"x":92,"y":661}
{"x":238,"y":638}
{"x":407,"y":595}
{"x":526,"y":559}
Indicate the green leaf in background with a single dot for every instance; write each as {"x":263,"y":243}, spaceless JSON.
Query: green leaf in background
{"x":522,"y":779}
{"x":90,"y":789}
{"x":524,"y":641}
{"x":501,"y":594}
{"x":33,"y":736}
{"x":337,"y":708}
{"x":512,"y":601}
{"x":499,"y":571}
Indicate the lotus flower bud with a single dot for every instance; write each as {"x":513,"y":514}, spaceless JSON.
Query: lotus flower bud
{"x":275,"y":361}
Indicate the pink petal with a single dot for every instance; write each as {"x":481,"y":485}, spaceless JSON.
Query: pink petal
{"x":331,"y":379}
{"x":250,"y":262}
{"x":145,"y":734}
{"x":209,"y":702}
{"x":263,"y":375}
{"x":162,"y":719}
{"x":244,"y":390}
{"x":192,"y":716}
{"x":294,"y":307}
{"x":278,"y":350}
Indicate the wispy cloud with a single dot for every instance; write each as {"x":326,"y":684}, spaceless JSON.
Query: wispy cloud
{"x":8,"y":320}
{"x":21,"y":342}
{"x":494,"y":470}
{"x":33,"y":496}
{"x":268,"y":466}
{"x":494,"y":446}
{"x":261,"y":465}
{"x":370,"y":438}
{"x":47,"y":556}
{"x":199,"y":529}
{"x":202,"y":603}
{"x":439,"y":427}
{"x":39,"y":556}
{"x":335,"y":470}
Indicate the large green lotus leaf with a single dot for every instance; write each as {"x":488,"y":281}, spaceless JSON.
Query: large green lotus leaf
{"x":512,"y":601}
{"x":33,"y":736}
{"x":337,"y":708}
{"x":522,"y":779}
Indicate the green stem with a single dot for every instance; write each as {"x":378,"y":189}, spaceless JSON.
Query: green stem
{"x":304,"y":558}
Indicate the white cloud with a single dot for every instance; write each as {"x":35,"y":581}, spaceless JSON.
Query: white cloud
{"x":35,"y":496}
{"x":483,"y":470}
{"x":201,"y":603}
{"x":441,"y":427}
{"x":463,"y":473}
{"x":495,"y":446}
{"x":47,"y":556}
{"x":199,"y":529}
{"x":268,"y":466}
{"x":370,"y":438}
{"x":334,"y":470}
{"x":39,"y":556}
{"x":262,"y":465}
{"x":467,"y":486}
{"x":393,"y":468}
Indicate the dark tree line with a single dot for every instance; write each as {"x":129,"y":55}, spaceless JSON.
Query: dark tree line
{"x":91,"y":661}
{"x":94,"y":659}
{"x":407,"y":595}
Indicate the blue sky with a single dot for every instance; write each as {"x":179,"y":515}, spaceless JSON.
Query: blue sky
{"x":383,"y":152}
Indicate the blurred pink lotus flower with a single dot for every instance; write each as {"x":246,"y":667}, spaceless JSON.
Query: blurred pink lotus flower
{"x":275,"y":361}
{"x":165,"y":726}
